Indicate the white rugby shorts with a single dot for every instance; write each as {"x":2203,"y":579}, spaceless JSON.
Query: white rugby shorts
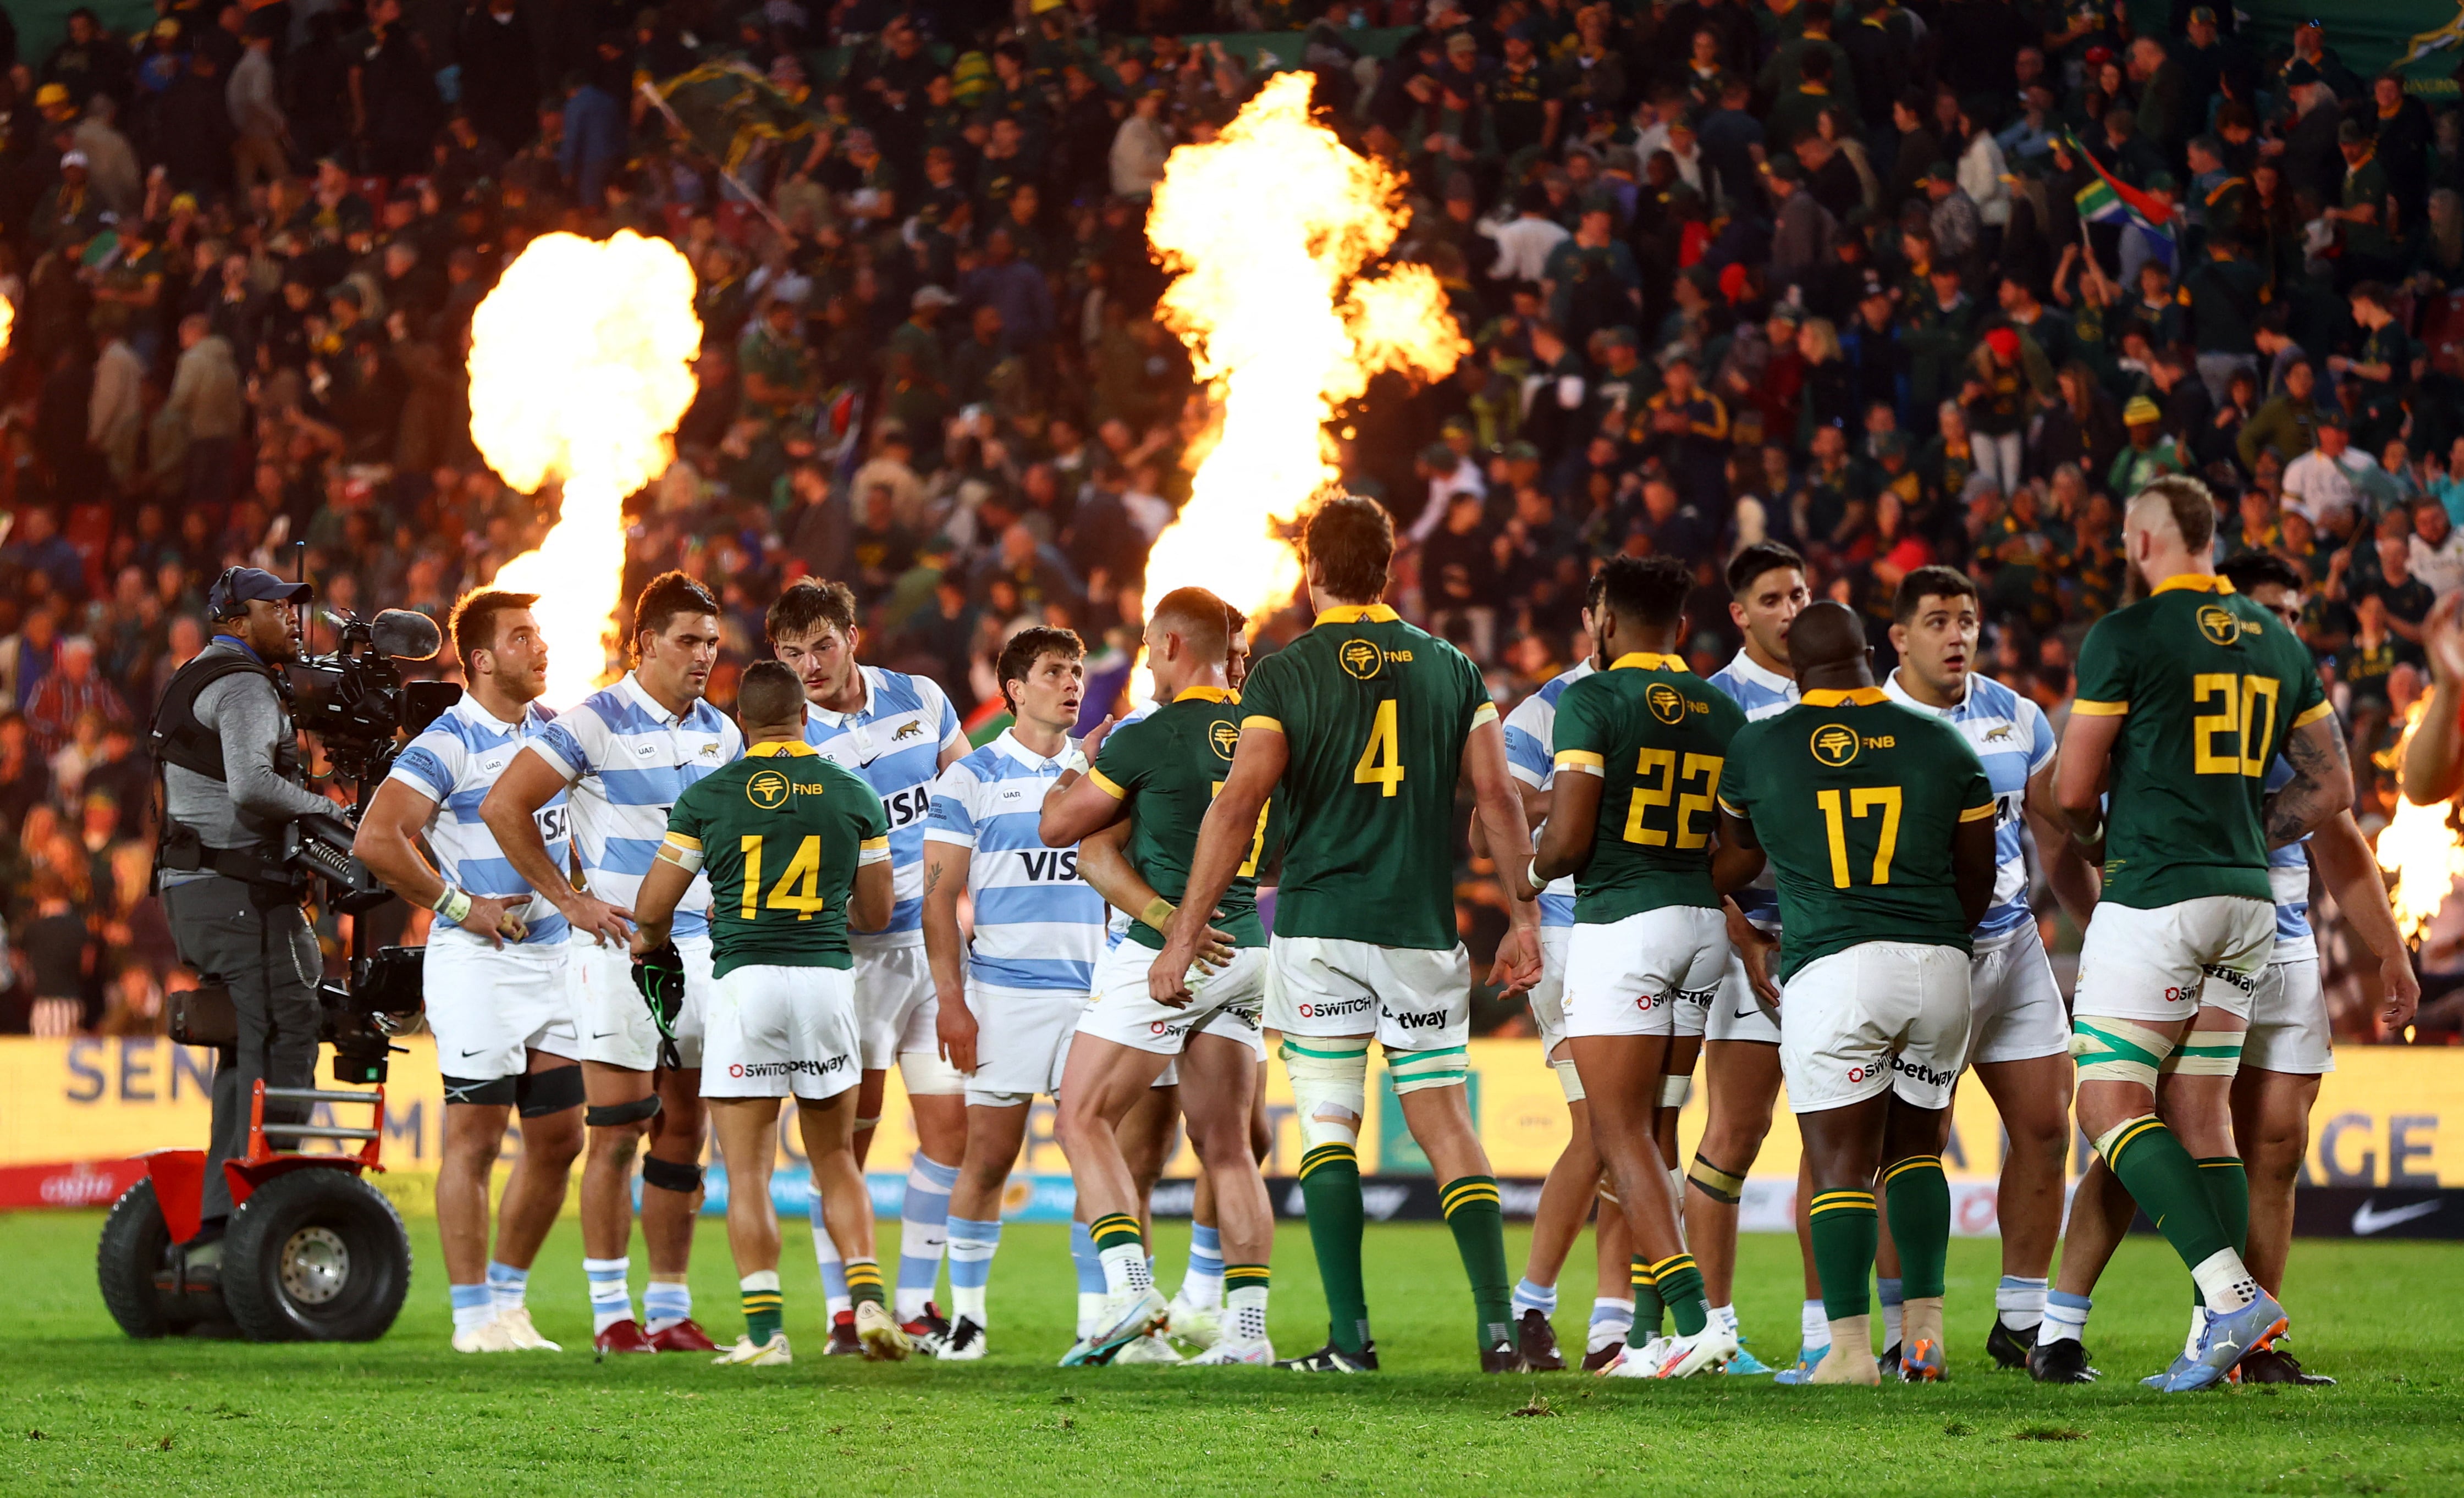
{"x":1229,"y":1002}
{"x":2288,"y":1021}
{"x":1879,"y":1016}
{"x":770,"y":1032}
{"x":1410,"y":998}
{"x":616,"y":1025}
{"x":2163,"y":965}
{"x":2018,"y":1005}
{"x":1547,"y":997}
{"x":489,"y":1008}
{"x":1655,"y":972}
{"x":1737,"y":1012}
{"x":895,"y":1011}
{"x":1022,"y":1042}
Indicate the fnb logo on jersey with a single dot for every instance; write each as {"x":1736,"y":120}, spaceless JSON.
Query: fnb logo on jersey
{"x":766,"y":789}
{"x":1049,"y":865}
{"x":1666,"y":702}
{"x":2220,"y":624}
{"x":1225,"y":735}
{"x":1361,"y":658}
{"x":1336,"y":1010}
{"x":1835,"y":745}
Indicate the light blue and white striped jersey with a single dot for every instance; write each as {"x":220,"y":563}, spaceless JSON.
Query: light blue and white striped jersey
{"x":1531,"y":730}
{"x":1761,"y":694}
{"x":2014,"y":739}
{"x":2288,"y":878}
{"x":1038,"y":924}
{"x":454,"y":762}
{"x":1116,"y":922}
{"x":893,"y":743}
{"x":626,"y":760}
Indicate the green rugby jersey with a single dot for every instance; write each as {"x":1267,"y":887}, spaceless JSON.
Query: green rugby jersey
{"x":1376,"y":713}
{"x":2208,"y":685}
{"x":1167,"y":766}
{"x":1657,"y":737}
{"x":781,"y":832}
{"x":1857,"y":800}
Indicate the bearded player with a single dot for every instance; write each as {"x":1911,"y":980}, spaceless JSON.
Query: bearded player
{"x":1163,"y":770}
{"x":622,"y":755}
{"x":2185,"y":700}
{"x":1367,"y":726}
{"x":897,"y":732}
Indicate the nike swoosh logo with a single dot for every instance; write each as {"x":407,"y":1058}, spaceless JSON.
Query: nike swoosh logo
{"x":2368,"y":1219}
{"x":1747,"y":1012}
{"x":468,"y":1054}
{"x":602,"y":1034}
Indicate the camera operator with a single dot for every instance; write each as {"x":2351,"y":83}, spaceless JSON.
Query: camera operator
{"x":493,"y":976}
{"x":231,"y":781}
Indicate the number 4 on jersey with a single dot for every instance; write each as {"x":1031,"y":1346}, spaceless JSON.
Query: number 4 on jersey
{"x":1381,"y":758}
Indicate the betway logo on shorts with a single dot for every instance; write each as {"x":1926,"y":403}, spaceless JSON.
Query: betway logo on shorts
{"x":1335,"y":1011}
{"x":1916,"y":1071}
{"x":1418,"y":1019}
{"x":796,"y":1067}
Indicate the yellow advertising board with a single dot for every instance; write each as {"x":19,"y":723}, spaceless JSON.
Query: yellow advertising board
{"x":2381,"y":1119}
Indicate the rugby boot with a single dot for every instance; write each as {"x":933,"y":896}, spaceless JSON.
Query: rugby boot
{"x":685,"y":1337}
{"x":2007,"y":1345}
{"x":622,"y":1336}
{"x":966,"y":1343}
{"x":2060,"y":1362}
{"x":772,"y":1354}
{"x":1537,"y":1341}
{"x":1331,"y":1358}
{"x":879,"y":1332}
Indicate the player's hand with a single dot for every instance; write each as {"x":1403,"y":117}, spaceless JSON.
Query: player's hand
{"x":607,"y":924}
{"x":1168,"y":976}
{"x":1517,"y":969}
{"x":1755,"y":948}
{"x":1215,"y":951}
{"x":2442,"y":637}
{"x":2403,"y":996}
{"x":1094,"y":739}
{"x":956,"y":1029}
{"x":496,"y":919}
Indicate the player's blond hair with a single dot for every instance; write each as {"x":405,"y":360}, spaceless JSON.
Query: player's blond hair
{"x":2187,"y":501}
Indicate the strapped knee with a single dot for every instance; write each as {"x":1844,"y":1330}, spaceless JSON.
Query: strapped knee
{"x":1330,"y":1083}
{"x":540,"y":1094}
{"x":1417,"y":1071}
{"x":496,"y":1092}
{"x":616,"y":1114}
{"x":2118,"y":1051}
{"x":1675,"y":1091}
{"x":2205,"y":1052}
{"x":671,"y":1175}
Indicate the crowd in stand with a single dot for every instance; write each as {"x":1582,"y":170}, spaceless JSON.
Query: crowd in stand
{"x":1893,"y":283}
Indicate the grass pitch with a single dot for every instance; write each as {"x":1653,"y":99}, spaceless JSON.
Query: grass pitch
{"x":83,"y":1410}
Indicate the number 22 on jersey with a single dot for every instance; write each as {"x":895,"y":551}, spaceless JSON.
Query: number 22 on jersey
{"x":1664,"y":764}
{"x":798,"y":888}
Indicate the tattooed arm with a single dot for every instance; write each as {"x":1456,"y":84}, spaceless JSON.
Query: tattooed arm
{"x":2320,"y":786}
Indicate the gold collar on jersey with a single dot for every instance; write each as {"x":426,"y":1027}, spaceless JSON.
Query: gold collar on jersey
{"x":1645,"y":660}
{"x":1209,"y":694}
{"x":778,"y":747}
{"x":1358,"y":613}
{"x":1832,"y":697}
{"x":2194,"y":582}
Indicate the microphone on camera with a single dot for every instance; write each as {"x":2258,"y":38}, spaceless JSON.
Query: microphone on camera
{"x":406,"y":635}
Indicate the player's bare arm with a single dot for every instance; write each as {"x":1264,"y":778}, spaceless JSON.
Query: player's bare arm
{"x":2079,"y":779}
{"x":1755,"y":947}
{"x":511,"y":811}
{"x":1497,"y":808}
{"x":875,"y":897}
{"x":1104,"y":866}
{"x":1224,"y":840}
{"x":2433,"y":761}
{"x":1078,"y":805}
{"x":2073,"y":877}
{"x":388,"y":843}
{"x":1566,"y":841}
{"x":945,"y":949}
{"x":2351,"y":872}
{"x":2320,"y":786}
{"x":654,"y":906}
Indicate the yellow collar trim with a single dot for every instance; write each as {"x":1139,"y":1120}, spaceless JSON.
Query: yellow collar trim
{"x":1364,"y":613}
{"x":793,"y":747}
{"x":1832,"y":697}
{"x":1645,"y":660}
{"x":2194,"y":582}
{"x":1209,"y":694}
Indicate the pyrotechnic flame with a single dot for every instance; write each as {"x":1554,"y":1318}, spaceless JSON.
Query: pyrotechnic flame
{"x":8,"y":322}
{"x":581,"y":367}
{"x":1268,"y":228}
{"x":2420,"y":847}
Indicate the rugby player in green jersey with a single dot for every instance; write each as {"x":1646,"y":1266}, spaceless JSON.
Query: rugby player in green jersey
{"x":1360,"y":731}
{"x":1638,"y":751}
{"x":1161,"y":771}
{"x":796,"y":849}
{"x":1878,"y":823}
{"x":2186,"y":699}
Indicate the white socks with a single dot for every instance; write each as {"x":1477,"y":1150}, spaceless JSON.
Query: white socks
{"x":2065,"y":1316}
{"x":1814,"y":1326}
{"x":611,"y":1298}
{"x":2225,"y":1281}
{"x":2019,"y":1302}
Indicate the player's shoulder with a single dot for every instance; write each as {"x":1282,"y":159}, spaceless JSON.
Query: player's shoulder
{"x":972,"y":768}
{"x":902,"y":691}
{"x":1534,"y":711}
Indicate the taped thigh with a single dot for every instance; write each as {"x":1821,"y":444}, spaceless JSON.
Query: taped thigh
{"x":1418,"y":1070}
{"x":925,"y":1074}
{"x":1328,"y":1077}
{"x":2107,"y":1050}
{"x":1568,"y":1078}
{"x":2206,"y":1052}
